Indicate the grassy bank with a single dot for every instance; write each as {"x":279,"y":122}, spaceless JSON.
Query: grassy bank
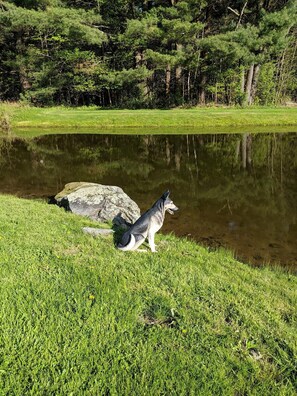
{"x":79,"y":317}
{"x":198,"y":118}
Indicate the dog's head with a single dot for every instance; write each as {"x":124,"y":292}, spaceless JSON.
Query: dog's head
{"x":168,"y":203}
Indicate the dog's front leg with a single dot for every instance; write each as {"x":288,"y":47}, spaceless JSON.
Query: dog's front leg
{"x":151,"y":240}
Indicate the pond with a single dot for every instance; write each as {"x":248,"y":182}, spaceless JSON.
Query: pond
{"x":237,"y":191}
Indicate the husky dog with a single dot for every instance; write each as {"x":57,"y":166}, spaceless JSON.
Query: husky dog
{"x":147,"y":225}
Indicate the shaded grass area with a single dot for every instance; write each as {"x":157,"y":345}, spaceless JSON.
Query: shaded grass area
{"x":174,"y":120}
{"x":79,"y":317}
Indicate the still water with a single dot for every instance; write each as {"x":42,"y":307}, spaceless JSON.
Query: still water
{"x":237,"y":191}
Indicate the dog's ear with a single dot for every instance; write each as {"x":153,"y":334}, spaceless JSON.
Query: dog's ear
{"x":165,"y":195}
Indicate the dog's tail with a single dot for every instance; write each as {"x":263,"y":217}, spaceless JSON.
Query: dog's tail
{"x":129,"y":246}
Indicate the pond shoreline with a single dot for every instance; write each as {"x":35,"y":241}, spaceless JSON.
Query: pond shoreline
{"x":32,"y":132}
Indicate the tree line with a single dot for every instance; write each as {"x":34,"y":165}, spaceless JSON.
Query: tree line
{"x":143,"y":53}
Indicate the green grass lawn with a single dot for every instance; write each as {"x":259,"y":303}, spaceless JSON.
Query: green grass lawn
{"x":78,"y":317}
{"x":174,"y":120}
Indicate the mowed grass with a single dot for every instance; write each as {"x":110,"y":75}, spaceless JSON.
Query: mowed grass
{"x":78,"y":317}
{"x":150,"y":121}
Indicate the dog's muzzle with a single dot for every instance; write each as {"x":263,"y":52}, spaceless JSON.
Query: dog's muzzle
{"x":172,"y":210}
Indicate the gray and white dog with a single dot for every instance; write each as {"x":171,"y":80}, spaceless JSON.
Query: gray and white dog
{"x":147,"y":225}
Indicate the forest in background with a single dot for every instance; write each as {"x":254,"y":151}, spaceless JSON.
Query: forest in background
{"x":146,"y":54}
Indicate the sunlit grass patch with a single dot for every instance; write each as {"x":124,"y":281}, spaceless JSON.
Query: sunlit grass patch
{"x":176,"y":120}
{"x":79,"y":317}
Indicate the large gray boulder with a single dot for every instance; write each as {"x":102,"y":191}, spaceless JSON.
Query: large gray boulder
{"x":98,"y":202}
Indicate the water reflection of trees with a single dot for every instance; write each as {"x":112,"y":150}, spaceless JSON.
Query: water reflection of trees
{"x":200,"y":159}
{"x":228,"y":179}
{"x":226,"y":168}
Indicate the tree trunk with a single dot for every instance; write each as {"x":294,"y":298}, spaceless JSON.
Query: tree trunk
{"x":168,"y":79}
{"x":23,"y":75}
{"x":189,"y":85}
{"x":178,"y":76}
{"x":144,"y":85}
{"x":178,"y":71}
{"x":109,"y":96}
{"x":138,"y":59}
{"x":216,"y":95}
{"x":242,"y":80}
{"x":254,"y":83}
{"x":251,"y":83}
{"x":202,"y":90}
{"x":241,"y":15}
{"x":248,"y":87}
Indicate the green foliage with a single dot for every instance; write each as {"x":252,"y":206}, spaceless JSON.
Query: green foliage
{"x":267,"y":84}
{"x":227,"y":88}
{"x":190,"y":49}
{"x":50,"y":65}
{"x":142,"y":33}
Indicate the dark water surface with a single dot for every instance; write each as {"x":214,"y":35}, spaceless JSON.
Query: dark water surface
{"x":237,"y":191}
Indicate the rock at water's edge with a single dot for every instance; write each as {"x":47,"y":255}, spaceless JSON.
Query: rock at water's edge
{"x":98,"y":202}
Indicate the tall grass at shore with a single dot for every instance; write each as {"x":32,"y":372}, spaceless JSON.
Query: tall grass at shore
{"x":79,"y":317}
{"x":5,"y":125}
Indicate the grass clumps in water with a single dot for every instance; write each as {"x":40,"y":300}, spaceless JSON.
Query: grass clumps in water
{"x":5,"y":124}
{"x":80,"y":317}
